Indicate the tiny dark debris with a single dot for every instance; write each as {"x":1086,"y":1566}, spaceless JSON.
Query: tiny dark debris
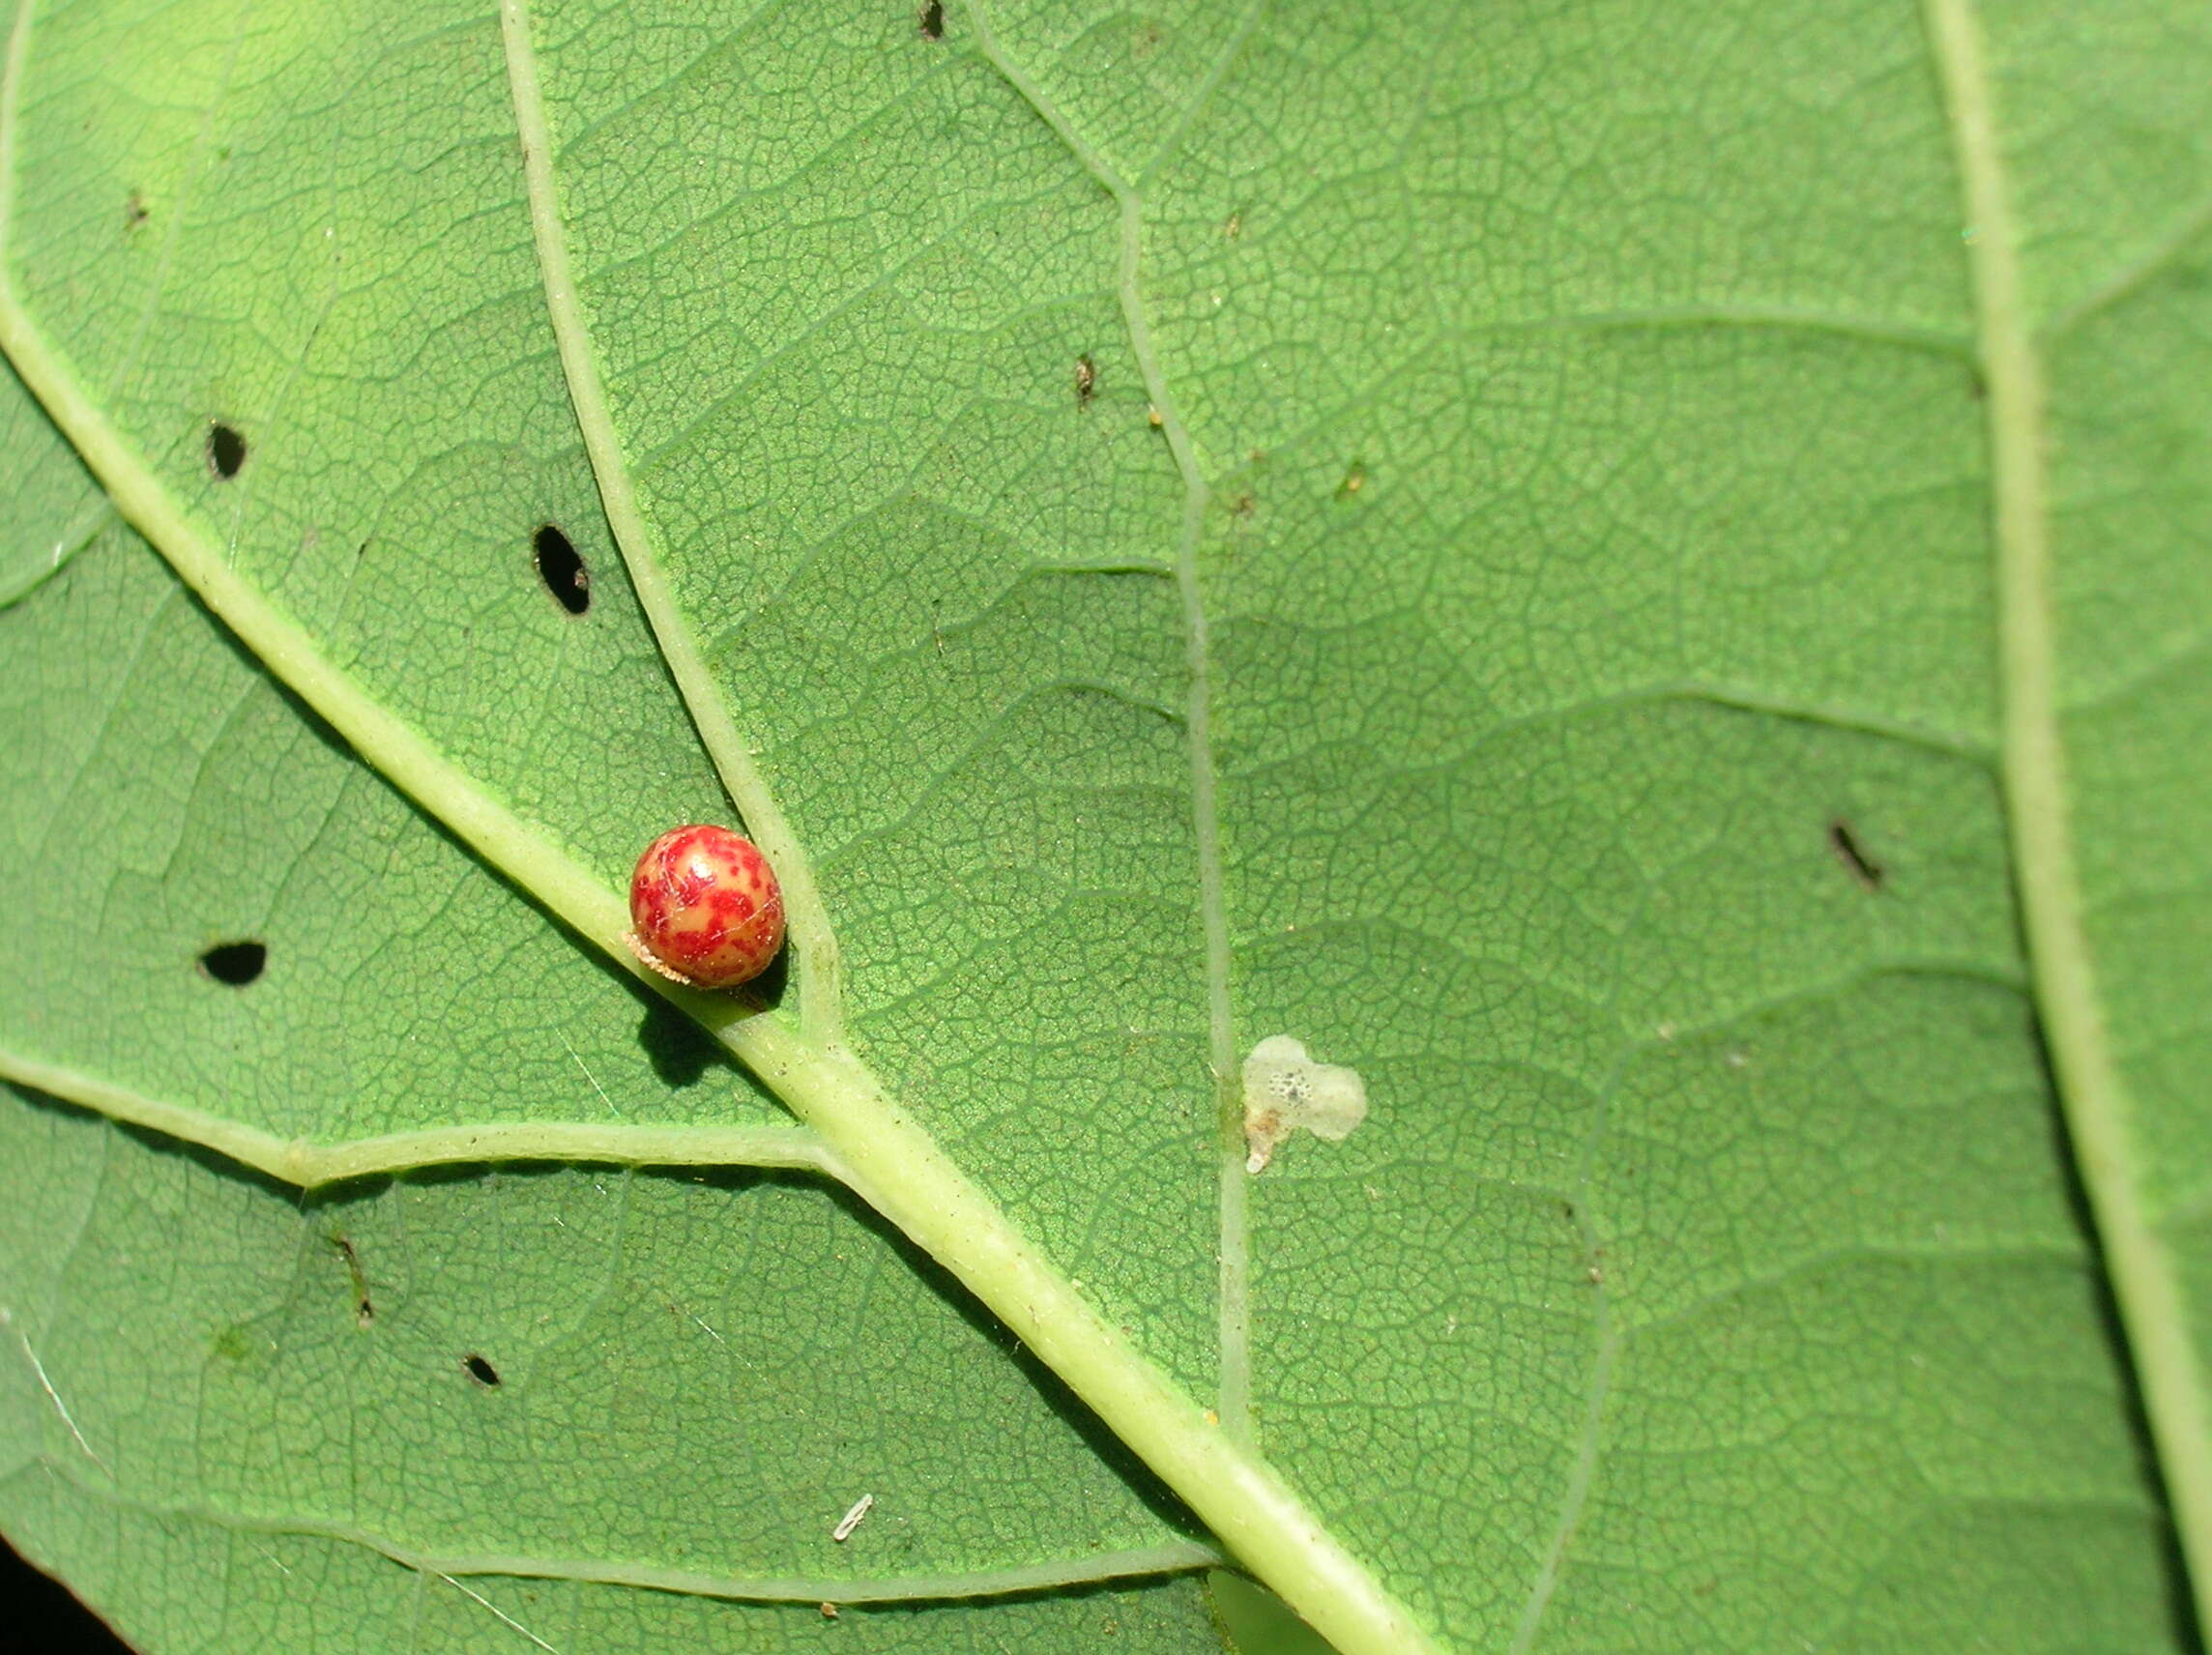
{"x":481,"y":1371}
{"x":133,"y":211}
{"x":1864,"y":870}
{"x":236,"y":963}
{"x":562,"y":569}
{"x":931,"y":21}
{"x":225,"y":451}
{"x":1086,"y":380}
{"x":364,"y":1312}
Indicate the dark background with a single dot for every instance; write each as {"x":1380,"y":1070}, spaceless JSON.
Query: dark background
{"x":38,"y":1617}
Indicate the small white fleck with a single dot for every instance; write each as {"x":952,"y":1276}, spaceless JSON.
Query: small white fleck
{"x":852,"y":1519}
{"x":501,"y":1613}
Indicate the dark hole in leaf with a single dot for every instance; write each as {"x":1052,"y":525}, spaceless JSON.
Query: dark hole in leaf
{"x":225,"y":451}
{"x":235,"y":963}
{"x":563,"y":571}
{"x":932,"y":21}
{"x":1862,"y":868}
{"x":479,"y":1369}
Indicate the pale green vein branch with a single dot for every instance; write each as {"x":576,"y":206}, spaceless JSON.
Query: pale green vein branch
{"x":2160,"y":257}
{"x":2099,"y":1113}
{"x":1582,"y":1477}
{"x":1037,"y":99}
{"x":821,"y":996}
{"x":82,"y":529}
{"x":299,"y":1161}
{"x":888,"y":1159}
{"x":173,"y":215}
{"x":1606,"y":1337}
{"x":1873,"y":330}
{"x":1827,"y":715}
{"x":1202,"y":94}
{"x":1233,"y":1313}
{"x":1232,"y":1179}
{"x":1169,"y":1558}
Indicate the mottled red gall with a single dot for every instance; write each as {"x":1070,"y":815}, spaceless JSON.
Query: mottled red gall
{"x":705,"y":908}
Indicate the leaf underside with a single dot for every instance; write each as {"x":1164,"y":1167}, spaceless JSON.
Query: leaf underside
{"x":1510,"y":599}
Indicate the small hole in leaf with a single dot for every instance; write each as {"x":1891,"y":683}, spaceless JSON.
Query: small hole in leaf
{"x":236,"y":963}
{"x":225,"y":451}
{"x":1864,"y":870}
{"x":931,"y":21}
{"x":563,"y":571}
{"x":363,"y":1311}
{"x":481,"y":1371}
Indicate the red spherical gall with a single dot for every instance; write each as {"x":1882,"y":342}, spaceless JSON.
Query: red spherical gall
{"x":706,"y":907}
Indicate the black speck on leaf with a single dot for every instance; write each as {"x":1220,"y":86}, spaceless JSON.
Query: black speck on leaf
{"x":225,"y":449}
{"x":235,"y":964}
{"x":1866,"y":873}
{"x":561,"y":568}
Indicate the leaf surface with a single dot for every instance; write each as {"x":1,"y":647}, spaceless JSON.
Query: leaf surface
{"x":1506,"y":548}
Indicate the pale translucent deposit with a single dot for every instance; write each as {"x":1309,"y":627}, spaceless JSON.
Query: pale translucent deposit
{"x":1285,"y":1089}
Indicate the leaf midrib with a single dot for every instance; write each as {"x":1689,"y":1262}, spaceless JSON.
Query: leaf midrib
{"x":2093,"y":1095}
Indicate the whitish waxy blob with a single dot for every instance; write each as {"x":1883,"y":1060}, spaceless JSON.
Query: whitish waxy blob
{"x":1285,"y":1089}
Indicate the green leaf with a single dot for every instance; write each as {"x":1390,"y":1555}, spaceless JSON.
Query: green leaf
{"x":1621,"y":584}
